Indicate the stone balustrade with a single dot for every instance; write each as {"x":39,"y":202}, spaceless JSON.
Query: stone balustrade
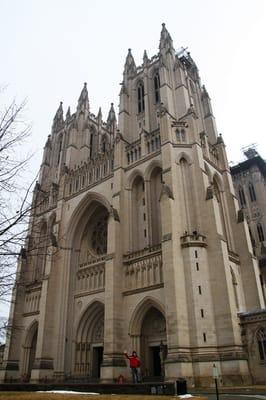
{"x":133,"y":151}
{"x":143,"y":268}
{"x":89,"y":173}
{"x":91,"y":278}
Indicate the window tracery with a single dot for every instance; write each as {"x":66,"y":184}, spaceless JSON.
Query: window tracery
{"x":98,"y":239}
{"x":180,"y":135}
{"x":261,"y":339}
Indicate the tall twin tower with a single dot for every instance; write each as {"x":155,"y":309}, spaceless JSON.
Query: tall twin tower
{"x":136,"y":240}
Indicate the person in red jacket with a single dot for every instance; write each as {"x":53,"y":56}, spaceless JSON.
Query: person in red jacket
{"x":134,"y":364}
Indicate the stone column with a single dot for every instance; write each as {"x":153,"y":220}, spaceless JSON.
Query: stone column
{"x":11,"y":368}
{"x":43,"y":364}
{"x":113,"y":360}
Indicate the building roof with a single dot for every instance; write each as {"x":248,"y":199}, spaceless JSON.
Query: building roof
{"x":247,"y":164}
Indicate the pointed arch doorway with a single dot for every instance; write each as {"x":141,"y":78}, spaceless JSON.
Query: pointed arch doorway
{"x":30,"y":351}
{"x":149,"y":339}
{"x":89,"y":342}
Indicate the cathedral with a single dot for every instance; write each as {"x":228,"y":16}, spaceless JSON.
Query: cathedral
{"x":137,"y":242}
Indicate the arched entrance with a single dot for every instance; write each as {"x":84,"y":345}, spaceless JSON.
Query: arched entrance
{"x":148,"y":337}
{"x":88,"y":237}
{"x":153,"y":346}
{"x":89,"y":342}
{"x":30,"y":351}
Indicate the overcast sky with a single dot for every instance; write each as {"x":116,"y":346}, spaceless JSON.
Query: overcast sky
{"x":49,"y":48}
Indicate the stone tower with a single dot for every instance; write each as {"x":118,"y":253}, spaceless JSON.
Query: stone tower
{"x":136,"y":239}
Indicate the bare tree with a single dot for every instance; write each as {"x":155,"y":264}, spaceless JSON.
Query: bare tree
{"x":14,"y":193}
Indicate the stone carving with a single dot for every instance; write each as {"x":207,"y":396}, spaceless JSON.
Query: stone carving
{"x":140,"y":273}
{"x":32,"y":302}
{"x":91,"y":278}
{"x":209,"y":192}
{"x":166,"y":191}
{"x":114,"y":214}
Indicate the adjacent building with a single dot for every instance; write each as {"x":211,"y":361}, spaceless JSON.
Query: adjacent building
{"x":136,"y":241}
{"x":249,"y":179}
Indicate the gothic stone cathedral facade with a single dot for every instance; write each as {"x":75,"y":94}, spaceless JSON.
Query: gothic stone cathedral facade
{"x":136,"y":240}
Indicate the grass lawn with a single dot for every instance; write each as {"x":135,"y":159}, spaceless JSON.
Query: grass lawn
{"x":59,"y":396}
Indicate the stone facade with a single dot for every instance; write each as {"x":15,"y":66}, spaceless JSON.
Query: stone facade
{"x":136,"y":240}
{"x":249,"y":179}
{"x":253,"y":332}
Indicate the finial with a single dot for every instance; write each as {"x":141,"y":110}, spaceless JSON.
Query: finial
{"x":58,"y":118}
{"x":83,"y":101}
{"x":145,"y":57}
{"x":130,"y":66}
{"x":165,"y":39}
{"x":68,"y":114}
{"x":111,"y":120}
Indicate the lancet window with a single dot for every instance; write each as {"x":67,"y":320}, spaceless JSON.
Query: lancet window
{"x":59,"y":150}
{"x":261,"y":339}
{"x":156,"y":81}
{"x":138,"y":208}
{"x":260,"y":232}
{"x":180,"y":135}
{"x":155,"y":190}
{"x":234,"y":283}
{"x":242,"y":197}
{"x":252,"y":192}
{"x":140,"y":91}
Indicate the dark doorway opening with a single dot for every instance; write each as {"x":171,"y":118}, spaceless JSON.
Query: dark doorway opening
{"x":97,"y":359}
{"x":156,"y":361}
{"x":32,"y":354}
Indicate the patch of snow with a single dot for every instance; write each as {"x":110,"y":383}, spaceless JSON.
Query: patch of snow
{"x":185,"y":396}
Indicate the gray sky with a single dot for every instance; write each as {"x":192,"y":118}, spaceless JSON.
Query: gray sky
{"x":49,"y":48}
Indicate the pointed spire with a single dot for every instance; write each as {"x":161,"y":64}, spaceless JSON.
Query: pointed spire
{"x":111,"y":116}
{"x":130,"y":66}
{"x":206,"y":102}
{"x":58,"y":121}
{"x":68,"y":114}
{"x":111,"y":120}
{"x":166,"y":41}
{"x":59,"y":112}
{"x":145,"y":58}
{"x":83,"y":102}
{"x":100,"y":116}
